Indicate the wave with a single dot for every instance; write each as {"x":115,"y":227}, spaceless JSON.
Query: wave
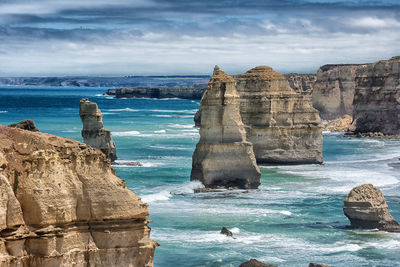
{"x":185,"y":126}
{"x":3,"y":111}
{"x":172,"y":147}
{"x":124,"y":109}
{"x":161,"y":196}
{"x":160,"y":131}
{"x":127,"y":133}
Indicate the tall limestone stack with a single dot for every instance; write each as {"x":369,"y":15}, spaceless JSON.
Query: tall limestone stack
{"x":377,"y":97}
{"x":62,"y":205}
{"x":281,"y":124}
{"x":223,"y":157}
{"x":93,"y":132}
{"x":333,"y":91}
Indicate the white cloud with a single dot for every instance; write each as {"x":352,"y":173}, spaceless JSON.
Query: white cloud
{"x":373,"y":22}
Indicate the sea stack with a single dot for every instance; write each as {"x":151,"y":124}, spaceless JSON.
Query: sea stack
{"x":333,"y":91}
{"x":365,"y":206}
{"x":62,"y":205}
{"x":377,"y":97}
{"x":93,"y":132}
{"x":223,"y":157}
{"x":281,"y":124}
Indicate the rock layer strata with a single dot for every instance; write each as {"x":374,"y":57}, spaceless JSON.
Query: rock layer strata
{"x":93,"y":132}
{"x":377,"y":97}
{"x":281,"y":124}
{"x":302,"y":83}
{"x":62,"y":205}
{"x":365,"y":207}
{"x":223,"y":157}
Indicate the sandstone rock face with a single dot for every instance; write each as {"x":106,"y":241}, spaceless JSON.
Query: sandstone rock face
{"x":342,"y":124}
{"x":377,"y":97}
{"x":62,"y":205}
{"x":25,"y":125}
{"x":302,"y":83}
{"x":282,"y":125}
{"x":333,"y":91}
{"x":223,"y":157}
{"x":93,"y":132}
{"x":365,"y":207}
{"x":255,"y":263}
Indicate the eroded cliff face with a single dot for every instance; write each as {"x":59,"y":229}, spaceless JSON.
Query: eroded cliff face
{"x":377,"y":97}
{"x":223,"y":157}
{"x":302,"y":83}
{"x":282,"y":125}
{"x":62,"y":205}
{"x":333,"y":91}
{"x":93,"y":132}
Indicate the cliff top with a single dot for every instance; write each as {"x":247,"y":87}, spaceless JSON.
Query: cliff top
{"x":220,"y":76}
{"x":262,"y":73}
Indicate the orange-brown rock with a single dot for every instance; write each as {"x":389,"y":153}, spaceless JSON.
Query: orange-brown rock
{"x":62,"y":205}
{"x":342,"y":124}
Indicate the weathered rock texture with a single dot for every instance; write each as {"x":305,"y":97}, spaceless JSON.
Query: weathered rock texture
{"x":223,"y":157}
{"x":302,"y":83}
{"x":333,"y":90}
{"x":62,"y":205}
{"x":377,"y":97}
{"x":365,"y":207}
{"x":25,"y":125}
{"x":93,"y":132}
{"x":342,"y":124}
{"x":282,"y":125}
{"x":255,"y":263}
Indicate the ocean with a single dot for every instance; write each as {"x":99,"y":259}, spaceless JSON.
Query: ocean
{"x":295,"y":217}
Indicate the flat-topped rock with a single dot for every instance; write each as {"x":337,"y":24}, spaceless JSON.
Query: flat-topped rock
{"x":93,"y":132}
{"x":377,"y":97}
{"x":365,"y":207}
{"x":223,"y":157}
{"x":62,"y":205}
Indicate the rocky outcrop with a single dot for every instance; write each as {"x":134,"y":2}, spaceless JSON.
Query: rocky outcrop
{"x":282,"y":125}
{"x":255,"y":263}
{"x":333,"y":91}
{"x":223,"y":157}
{"x":365,"y":207}
{"x":28,"y":125}
{"x":377,"y":97}
{"x":93,"y":132}
{"x":302,"y":83}
{"x":157,"y":92}
{"x":342,"y":124}
{"x":317,"y":265}
{"x":62,"y":205}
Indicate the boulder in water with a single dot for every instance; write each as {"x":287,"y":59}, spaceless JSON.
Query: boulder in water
{"x":255,"y":263}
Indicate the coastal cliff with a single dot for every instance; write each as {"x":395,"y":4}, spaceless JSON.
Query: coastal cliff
{"x":377,"y":97}
{"x":333,"y":91}
{"x":62,"y":205}
{"x":93,"y":132}
{"x":281,"y":124}
{"x":302,"y":83}
{"x":223,"y":157}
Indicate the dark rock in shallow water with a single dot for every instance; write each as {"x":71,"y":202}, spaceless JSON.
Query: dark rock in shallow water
{"x":255,"y":263}
{"x":365,"y":206}
{"x":317,"y":265}
{"x":226,"y":232}
{"x":28,"y":125}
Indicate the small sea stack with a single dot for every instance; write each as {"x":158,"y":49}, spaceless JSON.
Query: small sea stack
{"x":366,"y":207}
{"x":93,"y":132}
{"x":28,"y":125}
{"x":223,"y":157}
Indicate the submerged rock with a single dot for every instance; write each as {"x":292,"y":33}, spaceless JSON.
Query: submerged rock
{"x":28,"y":125}
{"x":93,"y":132}
{"x":281,"y":124}
{"x":61,"y":205}
{"x":377,"y":97}
{"x":223,"y":157}
{"x":317,"y":265}
{"x":365,"y":207}
{"x":255,"y":263}
{"x":226,"y":232}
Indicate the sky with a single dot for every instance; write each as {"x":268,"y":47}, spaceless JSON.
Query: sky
{"x":153,"y":37}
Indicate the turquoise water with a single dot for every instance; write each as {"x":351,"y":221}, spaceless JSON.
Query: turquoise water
{"x":294,"y":218}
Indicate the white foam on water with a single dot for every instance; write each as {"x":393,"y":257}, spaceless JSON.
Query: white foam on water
{"x":160,"y":131}
{"x":3,"y":111}
{"x":339,"y":247}
{"x":235,"y":230}
{"x":172,"y":147}
{"x":127,"y":133}
{"x":188,"y":188}
{"x":285,"y":212}
{"x":161,"y":196}
{"x":108,"y":113}
{"x":124,"y":109}
{"x":184,"y":126}
{"x":69,"y":131}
